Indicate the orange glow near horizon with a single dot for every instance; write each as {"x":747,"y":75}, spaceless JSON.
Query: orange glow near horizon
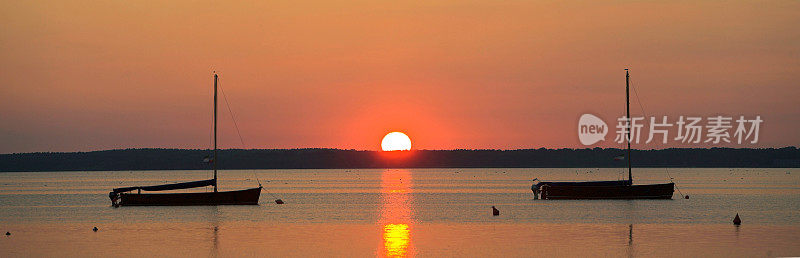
{"x":396,"y":213}
{"x":396,"y":141}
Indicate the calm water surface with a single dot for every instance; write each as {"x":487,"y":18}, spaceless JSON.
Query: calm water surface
{"x":405,"y":212}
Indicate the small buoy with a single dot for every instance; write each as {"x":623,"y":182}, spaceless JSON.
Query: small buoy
{"x":8,"y":233}
{"x":94,"y":229}
{"x":495,"y":211}
{"x":737,"y":221}
{"x":686,"y":197}
{"x":278,"y":201}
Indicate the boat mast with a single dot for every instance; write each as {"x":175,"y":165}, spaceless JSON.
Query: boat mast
{"x":215,"y":132}
{"x":628,"y":116}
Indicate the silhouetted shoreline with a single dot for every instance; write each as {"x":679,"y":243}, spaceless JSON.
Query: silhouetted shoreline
{"x":186,"y":159}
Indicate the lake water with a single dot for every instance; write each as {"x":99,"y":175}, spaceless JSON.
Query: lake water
{"x":405,"y":212}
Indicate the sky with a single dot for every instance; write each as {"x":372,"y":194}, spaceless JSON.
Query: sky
{"x":95,"y":75}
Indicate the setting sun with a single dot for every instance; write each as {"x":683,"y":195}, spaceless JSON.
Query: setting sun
{"x":396,"y":141}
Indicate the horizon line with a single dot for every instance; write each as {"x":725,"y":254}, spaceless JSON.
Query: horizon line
{"x":362,"y":150}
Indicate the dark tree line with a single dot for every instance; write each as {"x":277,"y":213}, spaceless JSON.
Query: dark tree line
{"x":168,"y":159}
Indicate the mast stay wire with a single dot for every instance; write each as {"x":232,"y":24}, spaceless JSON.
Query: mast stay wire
{"x":676,"y":185}
{"x":637,"y":97}
{"x":636,"y":92}
{"x":236,"y":125}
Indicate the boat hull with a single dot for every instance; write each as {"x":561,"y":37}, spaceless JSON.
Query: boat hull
{"x":240,"y":197}
{"x":575,"y":192}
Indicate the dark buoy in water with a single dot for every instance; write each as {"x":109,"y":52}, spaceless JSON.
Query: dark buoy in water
{"x":95,"y":229}
{"x":8,"y":233}
{"x":737,"y":221}
{"x":495,"y":211}
{"x":278,"y":201}
{"x":686,"y":197}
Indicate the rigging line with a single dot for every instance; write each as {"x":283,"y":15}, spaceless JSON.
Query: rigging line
{"x":236,"y":125}
{"x":231,"y":112}
{"x":637,"y":98}
{"x":256,"y":176}
{"x":676,"y":185}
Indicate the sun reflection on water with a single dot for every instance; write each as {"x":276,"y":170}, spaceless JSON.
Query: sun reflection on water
{"x":396,"y":213}
{"x":395,"y":239}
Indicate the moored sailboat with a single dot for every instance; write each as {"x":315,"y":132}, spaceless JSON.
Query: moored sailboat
{"x":125,"y":197}
{"x":620,"y":189}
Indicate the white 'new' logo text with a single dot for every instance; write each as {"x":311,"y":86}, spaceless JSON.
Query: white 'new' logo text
{"x":591,"y":129}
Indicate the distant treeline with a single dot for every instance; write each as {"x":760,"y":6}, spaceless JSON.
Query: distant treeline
{"x":167,"y":159}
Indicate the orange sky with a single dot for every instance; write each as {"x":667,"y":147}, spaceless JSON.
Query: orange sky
{"x":89,"y":75}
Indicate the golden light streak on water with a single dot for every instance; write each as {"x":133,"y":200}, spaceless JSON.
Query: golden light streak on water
{"x":396,"y":238}
{"x":396,"y":212}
